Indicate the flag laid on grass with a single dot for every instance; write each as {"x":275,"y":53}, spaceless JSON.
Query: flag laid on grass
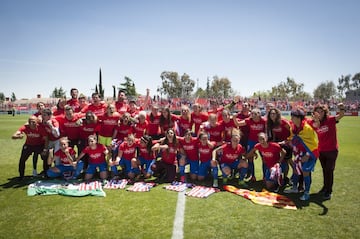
{"x":116,"y":184}
{"x":201,"y":192}
{"x":141,"y":187}
{"x":67,"y":189}
{"x":263,"y":198}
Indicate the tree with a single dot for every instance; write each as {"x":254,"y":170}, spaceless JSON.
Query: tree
{"x":220,"y":88}
{"x":289,"y":89}
{"x":200,"y":93}
{"x":58,"y":93}
{"x":175,"y":86}
{"x":2,"y":97}
{"x":13,"y":97}
{"x":325,"y":91}
{"x":101,"y":90}
{"x":344,"y":84}
{"x":114,"y":92}
{"x":129,"y":87}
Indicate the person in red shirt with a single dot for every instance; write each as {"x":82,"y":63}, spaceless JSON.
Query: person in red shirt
{"x":214,"y":128}
{"x":272,"y":155}
{"x":69,"y":126}
{"x":121,"y":104}
{"x":35,"y":140}
{"x":153,"y":119}
{"x":140,"y":125}
{"x":325,"y":126}
{"x":256,"y":124}
{"x":74,"y":101}
{"x":88,"y":126}
{"x":97,"y":105}
{"x":189,"y":152}
{"x":126,"y":158}
{"x":60,"y":107}
{"x":205,"y":148}
{"x":52,"y":129}
{"x":168,"y":148}
{"x":97,"y":154}
{"x":167,"y":120}
{"x":66,"y":155}
{"x":232,"y":158}
{"x":198,"y":117}
{"x":229,"y":123}
{"x":108,"y":122}
{"x":39,"y":106}
{"x":146,"y":156}
{"x":244,"y":129}
{"x":278,"y":130}
{"x":184,"y":121}
{"x":82,"y":103}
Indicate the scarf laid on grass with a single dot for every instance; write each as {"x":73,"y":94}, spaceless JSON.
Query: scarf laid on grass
{"x":66,"y":189}
{"x":141,"y":187}
{"x":116,"y":184}
{"x":263,"y":198}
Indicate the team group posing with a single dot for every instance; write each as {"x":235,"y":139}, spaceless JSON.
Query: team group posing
{"x":122,"y":139}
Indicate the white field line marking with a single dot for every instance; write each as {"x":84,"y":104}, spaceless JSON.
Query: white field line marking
{"x":178,"y":232}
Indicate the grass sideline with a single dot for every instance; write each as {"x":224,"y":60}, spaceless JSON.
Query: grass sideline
{"x":123,"y":214}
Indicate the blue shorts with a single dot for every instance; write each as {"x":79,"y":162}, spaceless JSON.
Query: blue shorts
{"x":251,"y":145}
{"x":92,"y":167}
{"x":268,"y":174}
{"x":194,"y":166}
{"x":125,"y":165}
{"x":308,"y":166}
{"x":147,"y":163}
{"x":65,"y":168}
{"x":233,"y":165}
{"x":204,"y":168}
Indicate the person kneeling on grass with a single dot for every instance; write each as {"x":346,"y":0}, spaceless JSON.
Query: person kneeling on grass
{"x":232,"y":158}
{"x":97,"y":158}
{"x":272,"y":155}
{"x":65,"y":155}
{"x":126,"y":158}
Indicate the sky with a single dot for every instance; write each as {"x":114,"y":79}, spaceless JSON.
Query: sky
{"x":255,"y":44}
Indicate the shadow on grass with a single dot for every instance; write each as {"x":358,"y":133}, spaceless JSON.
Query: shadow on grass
{"x":316,"y":198}
{"x":17,"y":182}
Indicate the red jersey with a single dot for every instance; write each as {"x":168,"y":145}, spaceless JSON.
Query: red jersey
{"x":75,"y":104}
{"x":35,"y":136}
{"x":98,"y":110}
{"x":69,"y":128}
{"x":255,"y":128}
{"x":61,"y":154}
{"x":123,"y":130}
{"x":271,"y":154}
{"x":87,"y":129}
{"x":167,"y":124}
{"x":154,"y":125}
{"x":96,"y":155}
{"x":216,"y":132}
{"x":190,"y":148}
{"x":205,"y":152}
{"x":108,"y":124}
{"x":228,"y":126}
{"x":198,"y":119}
{"x":327,"y":134}
{"x":169,"y":155}
{"x":229,"y":154}
{"x":281,"y":132}
{"x":140,"y":129}
{"x":48,"y":130}
{"x":184,"y":124}
{"x":128,"y":152}
{"x":144,"y":153}
{"x":121,"y":107}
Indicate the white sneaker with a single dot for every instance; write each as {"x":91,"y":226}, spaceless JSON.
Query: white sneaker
{"x":215,"y":184}
{"x":291,"y":190}
{"x":35,"y":173}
